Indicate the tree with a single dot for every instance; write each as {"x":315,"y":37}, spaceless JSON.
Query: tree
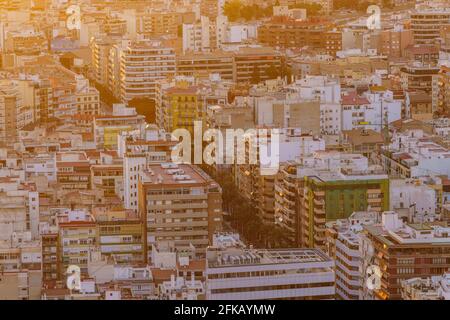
{"x":235,"y":10}
{"x":247,"y":12}
{"x":145,"y":107}
{"x":232,"y":9}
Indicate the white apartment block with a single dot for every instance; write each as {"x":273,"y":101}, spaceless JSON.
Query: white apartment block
{"x":133,"y":166}
{"x":373,"y":111}
{"x":246,"y":274}
{"x":413,"y":154}
{"x":433,"y":288}
{"x":328,"y":91}
{"x":197,"y":36}
{"x":19,"y":210}
{"x":142,"y":65}
{"x":323,"y":88}
{"x":41,"y":165}
{"x":344,"y":245}
{"x":137,"y":153}
{"x":330,"y":118}
{"x":413,"y":199}
{"x":179,"y":288}
{"x":233,"y":33}
{"x":335,"y":160}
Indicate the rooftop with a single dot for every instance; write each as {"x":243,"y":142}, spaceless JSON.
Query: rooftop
{"x":239,"y":257}
{"x":174,"y":174}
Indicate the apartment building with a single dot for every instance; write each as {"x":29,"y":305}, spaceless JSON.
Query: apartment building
{"x":212,"y":8}
{"x":113,"y":25}
{"x":198,"y":36}
{"x":432,"y":288}
{"x":202,"y":64}
{"x":425,"y":54}
{"x":113,"y":65}
{"x":87,"y":98}
{"x":42,"y":92}
{"x":108,"y":178}
{"x":426,"y":24}
{"x":142,"y":64}
{"x":40,"y":165}
{"x":73,"y":171}
{"x":374,"y":110}
{"x":257,"y":183}
{"x":413,"y":153}
{"x":343,"y":245}
{"x":290,"y":205}
{"x":77,"y":236}
{"x":414,"y":200}
{"x":107,"y":127}
{"x":403,"y":251}
{"x":19,"y":209}
{"x":20,"y":270}
{"x":332,"y":195}
{"x":26,"y":42}
{"x":393,"y":42}
{"x":137,"y":152}
{"x":11,"y":109}
{"x":183,"y":104}
{"x":289,"y":113}
{"x":162,"y":23}
{"x":56,"y":91}
{"x":229,"y":116}
{"x":50,"y":256}
{"x":253,"y":64}
{"x":181,"y":204}
{"x":121,"y":235}
{"x":422,"y":78}
{"x":237,"y":273}
{"x":245,"y":64}
{"x":100,"y":49}
{"x":315,"y":33}
{"x":419,"y":105}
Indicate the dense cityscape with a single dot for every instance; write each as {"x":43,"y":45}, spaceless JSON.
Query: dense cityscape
{"x":224,"y":150}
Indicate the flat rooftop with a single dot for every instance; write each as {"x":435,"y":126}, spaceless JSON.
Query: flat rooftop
{"x":174,"y":174}
{"x":246,"y":257}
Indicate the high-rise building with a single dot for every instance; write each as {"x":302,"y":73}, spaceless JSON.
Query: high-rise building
{"x":236,"y":273}
{"x":403,"y":251}
{"x":121,"y":235}
{"x":100,"y":48}
{"x":426,"y":25}
{"x":325,"y":196}
{"x":198,"y":36}
{"x":343,"y":245}
{"x":181,"y":204}
{"x":142,"y":64}
{"x":315,"y":33}
{"x":302,"y":211}
{"x":77,"y":235}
